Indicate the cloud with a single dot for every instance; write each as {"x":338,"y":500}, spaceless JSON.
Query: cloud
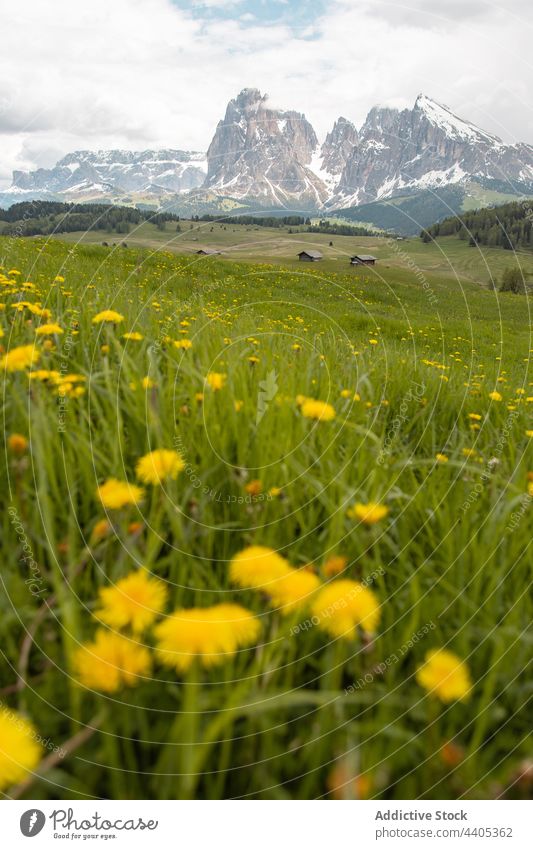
{"x":150,"y":73}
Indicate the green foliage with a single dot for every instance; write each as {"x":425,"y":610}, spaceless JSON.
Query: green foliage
{"x":513,"y":281}
{"x":509,"y":226}
{"x":275,"y":720}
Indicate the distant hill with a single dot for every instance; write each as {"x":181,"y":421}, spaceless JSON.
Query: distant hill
{"x":508,"y":226}
{"x":45,"y":218}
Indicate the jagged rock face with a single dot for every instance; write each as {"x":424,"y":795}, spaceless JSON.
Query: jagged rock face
{"x":115,"y":172}
{"x":263,"y":153}
{"x":272,"y":157}
{"x":424,"y":147}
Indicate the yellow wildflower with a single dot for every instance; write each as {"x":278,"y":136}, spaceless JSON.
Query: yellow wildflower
{"x":212,"y":634}
{"x":319,"y":410}
{"x":17,"y":443}
{"x":49,"y":329}
{"x":134,"y":601}
{"x":257,"y":566}
{"x":344,"y":605}
{"x":18,"y":359}
{"x":110,"y":662}
{"x":158,"y":466}
{"x":108,"y":315}
{"x":115,"y":494}
{"x":19,"y":750}
{"x":216,"y":380}
{"x":444,"y":675}
{"x":369,"y":514}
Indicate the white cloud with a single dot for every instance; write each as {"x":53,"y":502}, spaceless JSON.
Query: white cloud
{"x":142,"y":73}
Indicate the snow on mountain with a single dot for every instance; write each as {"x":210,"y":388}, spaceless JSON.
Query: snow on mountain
{"x":111,"y":173}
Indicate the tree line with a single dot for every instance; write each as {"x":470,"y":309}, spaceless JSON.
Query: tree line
{"x":43,"y":218}
{"x":509,"y":226}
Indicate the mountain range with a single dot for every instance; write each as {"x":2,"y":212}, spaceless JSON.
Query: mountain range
{"x":265,"y":157}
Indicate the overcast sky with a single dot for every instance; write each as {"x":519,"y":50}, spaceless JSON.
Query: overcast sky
{"x":158,"y":73}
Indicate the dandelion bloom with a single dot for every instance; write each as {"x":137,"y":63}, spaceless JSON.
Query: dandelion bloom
{"x":49,"y":329}
{"x":318,"y":410}
{"x":20,"y":358}
{"x":334,"y":565}
{"x":495,"y":396}
{"x":17,"y":443}
{"x":292,"y":590}
{"x":147,"y":383}
{"x":216,"y":380}
{"x":133,"y":336}
{"x":256,"y":566}
{"x":134,"y":601}
{"x":108,"y":315}
{"x":369,"y":514}
{"x":441,"y":458}
{"x":255,"y":487}
{"x":111,"y":661}
{"x":116,"y":494}
{"x":101,"y":530}
{"x":158,"y":466}
{"x":19,"y":750}
{"x":344,"y":605}
{"x":183,"y":344}
{"x":444,"y":675}
{"x":211,"y":633}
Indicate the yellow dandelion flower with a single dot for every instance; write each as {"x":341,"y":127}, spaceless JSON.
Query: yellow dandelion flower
{"x":255,"y":487}
{"x":529,"y":433}
{"x":475,"y":417}
{"x":115,"y":494}
{"x":49,"y":329}
{"x":19,"y":750}
{"x":373,"y":341}
{"x":183,"y":344}
{"x":105,"y":349}
{"x":257,"y":566}
{"x":319,"y":410}
{"x":18,"y":359}
{"x":369,"y":514}
{"x":334,"y":565}
{"x":147,"y":383}
{"x":215,"y":380}
{"x":344,"y":605}
{"x":441,"y":458}
{"x":110,"y":662}
{"x":238,"y":405}
{"x":134,"y":601}
{"x":101,"y":530}
{"x":158,"y":466}
{"x":212,"y":634}
{"x":109,"y":316}
{"x":495,"y":396}
{"x":444,"y":675}
{"x":17,"y":443}
{"x":133,"y":336}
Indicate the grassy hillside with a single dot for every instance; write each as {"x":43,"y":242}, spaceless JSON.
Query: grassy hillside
{"x":397,"y":259}
{"x":372,"y":428}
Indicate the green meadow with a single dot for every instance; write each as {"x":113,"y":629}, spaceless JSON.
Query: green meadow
{"x":425,"y":369}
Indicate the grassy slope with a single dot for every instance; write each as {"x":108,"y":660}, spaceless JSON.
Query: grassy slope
{"x":461,"y":568}
{"x":449,"y":257}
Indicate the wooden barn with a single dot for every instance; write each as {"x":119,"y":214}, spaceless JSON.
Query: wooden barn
{"x":363,"y":259}
{"x":309,"y":256}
